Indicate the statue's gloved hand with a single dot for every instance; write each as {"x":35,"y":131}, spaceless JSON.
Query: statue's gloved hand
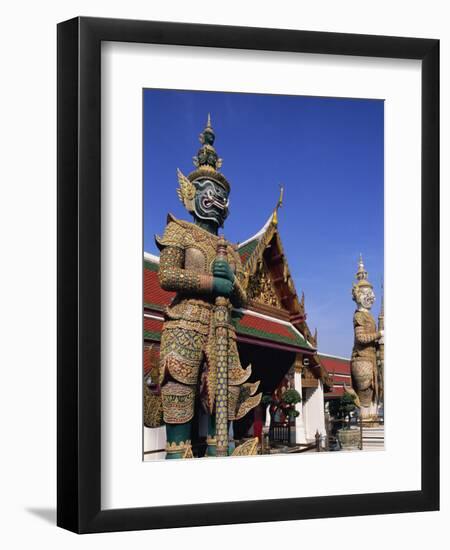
{"x":222,"y":287}
{"x":221,"y":268}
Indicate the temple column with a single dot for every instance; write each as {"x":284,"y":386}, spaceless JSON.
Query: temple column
{"x":319,"y":395}
{"x":314,"y":411}
{"x":300,"y":435}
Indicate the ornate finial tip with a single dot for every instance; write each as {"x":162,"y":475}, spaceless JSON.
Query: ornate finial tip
{"x":361,"y":274}
{"x":280,"y":200}
{"x":279,"y":203}
{"x":207,"y":157}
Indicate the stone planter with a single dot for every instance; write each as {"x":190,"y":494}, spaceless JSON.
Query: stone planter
{"x":350,"y":440}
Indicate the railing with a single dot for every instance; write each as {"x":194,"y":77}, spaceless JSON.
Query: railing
{"x":280,"y":434}
{"x":283,"y":435}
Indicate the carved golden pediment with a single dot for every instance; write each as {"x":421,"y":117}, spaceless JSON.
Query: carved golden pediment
{"x":261,"y":288}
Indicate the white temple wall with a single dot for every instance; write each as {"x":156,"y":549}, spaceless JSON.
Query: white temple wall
{"x":314,"y":412}
{"x":155,"y":440}
{"x":300,"y":434}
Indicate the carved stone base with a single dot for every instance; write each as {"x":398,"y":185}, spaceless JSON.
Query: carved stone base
{"x":369,"y":415}
{"x":350,"y":440}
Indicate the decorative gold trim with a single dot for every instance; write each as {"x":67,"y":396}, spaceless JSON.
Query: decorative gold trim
{"x":177,"y":447}
{"x":249,"y":448}
{"x":178,"y":402}
{"x":188,"y":453}
{"x":186,"y":191}
{"x":247,"y":406}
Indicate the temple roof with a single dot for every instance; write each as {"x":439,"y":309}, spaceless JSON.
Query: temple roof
{"x":155,"y":297}
{"x":335,"y":364}
{"x":265,"y":247}
{"x":249,"y":325}
{"x":263,"y":327}
{"x":339,"y":371}
{"x":247,"y":247}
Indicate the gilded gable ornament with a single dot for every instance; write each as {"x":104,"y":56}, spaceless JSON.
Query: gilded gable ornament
{"x":260,"y":288}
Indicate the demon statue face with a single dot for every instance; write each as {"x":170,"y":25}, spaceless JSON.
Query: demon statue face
{"x":364,"y":296}
{"x":205,"y":191}
{"x":211,"y":201}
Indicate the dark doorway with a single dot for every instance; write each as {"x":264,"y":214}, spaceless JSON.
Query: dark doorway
{"x":268,"y":366}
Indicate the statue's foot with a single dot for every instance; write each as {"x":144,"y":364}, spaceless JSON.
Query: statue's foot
{"x":170,"y":456}
{"x":212,"y":446}
{"x":179,"y":450}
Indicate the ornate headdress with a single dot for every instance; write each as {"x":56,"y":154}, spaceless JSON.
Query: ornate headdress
{"x":362,"y":278}
{"x":207,"y":163}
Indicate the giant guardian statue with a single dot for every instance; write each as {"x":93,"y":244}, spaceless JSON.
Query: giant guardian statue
{"x":199,"y":360}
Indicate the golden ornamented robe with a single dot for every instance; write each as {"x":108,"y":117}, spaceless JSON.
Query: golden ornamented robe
{"x":364,"y":358}
{"x":188,"y":346}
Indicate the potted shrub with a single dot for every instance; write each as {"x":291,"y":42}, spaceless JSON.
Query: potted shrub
{"x":349,"y":438}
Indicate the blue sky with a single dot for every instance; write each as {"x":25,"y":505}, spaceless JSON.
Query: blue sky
{"x":329,"y":155}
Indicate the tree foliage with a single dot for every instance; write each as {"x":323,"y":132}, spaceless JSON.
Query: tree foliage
{"x":287,"y":403}
{"x":291,"y":397}
{"x":340,"y":408}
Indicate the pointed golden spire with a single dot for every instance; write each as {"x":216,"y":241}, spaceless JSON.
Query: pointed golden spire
{"x":279,"y":204}
{"x":208,"y":122}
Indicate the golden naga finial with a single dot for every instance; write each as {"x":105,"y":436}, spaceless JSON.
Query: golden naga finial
{"x":279,"y":204}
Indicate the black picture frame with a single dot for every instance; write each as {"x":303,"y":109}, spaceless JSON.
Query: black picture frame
{"x":79,"y":275}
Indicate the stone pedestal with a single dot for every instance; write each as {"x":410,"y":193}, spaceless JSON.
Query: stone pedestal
{"x":350,"y":440}
{"x":369,"y":415}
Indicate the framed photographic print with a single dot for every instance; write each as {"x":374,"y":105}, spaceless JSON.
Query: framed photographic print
{"x":248,"y":323}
